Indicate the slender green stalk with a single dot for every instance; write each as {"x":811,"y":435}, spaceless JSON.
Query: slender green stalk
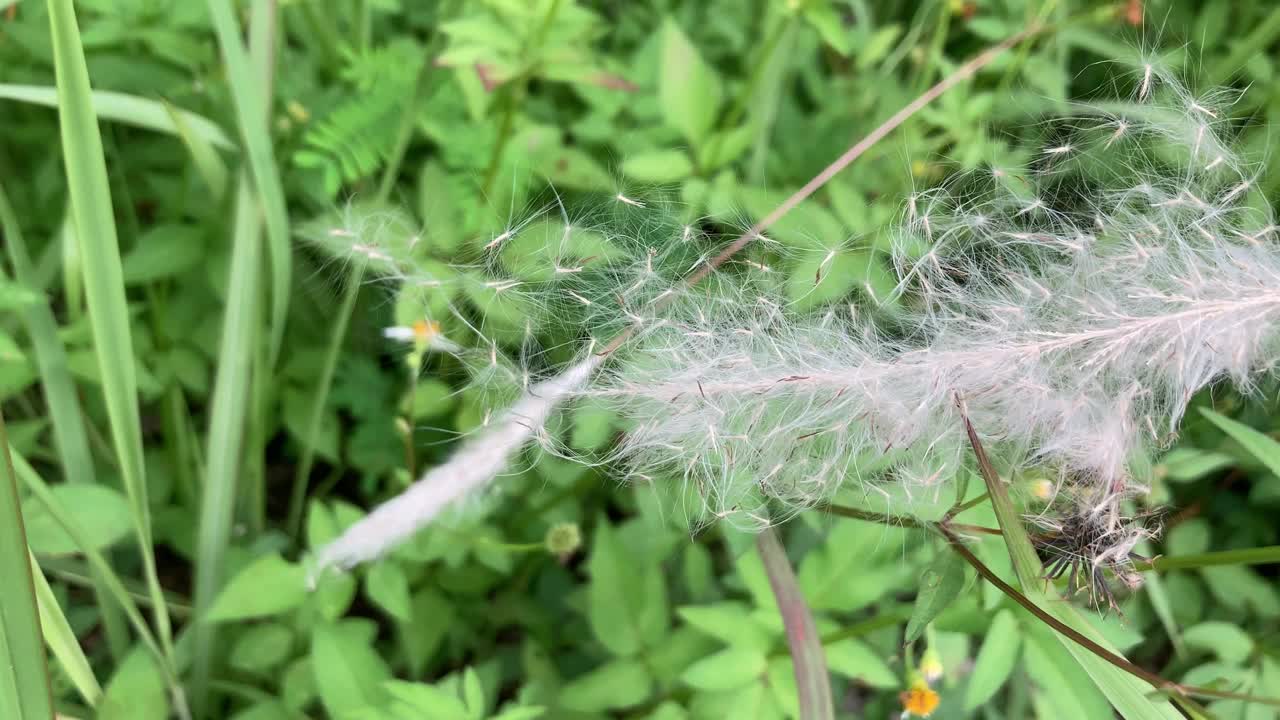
{"x":62,"y":640}
{"x":1245,"y":556}
{"x":103,"y":281}
{"x":60,"y":397}
{"x":813,"y":682}
{"x":1120,"y":681}
{"x":338,"y":335}
{"x":251,"y":100}
{"x":226,"y":430}
{"x":36,"y":486}
{"x":24,"y":672}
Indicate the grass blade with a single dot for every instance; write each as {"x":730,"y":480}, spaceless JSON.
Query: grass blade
{"x":40,"y":491}
{"x":103,"y":282}
{"x":62,"y":641}
{"x":129,"y":109}
{"x":24,"y":674}
{"x":1128,"y":694}
{"x":61,"y":399}
{"x":813,"y":682}
{"x":226,"y":426}
{"x":248,"y":93}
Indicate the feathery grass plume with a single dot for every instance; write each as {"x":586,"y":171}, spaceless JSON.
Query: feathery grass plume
{"x":1075,"y":308}
{"x":478,"y":461}
{"x":517,"y":316}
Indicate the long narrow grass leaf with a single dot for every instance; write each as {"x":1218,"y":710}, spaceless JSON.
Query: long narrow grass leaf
{"x":24,"y":674}
{"x":103,"y":280}
{"x":62,"y":640}
{"x":40,"y":491}
{"x":128,"y":109}
{"x":60,"y":398}
{"x":1129,"y":695}
{"x":250,"y":101}
{"x":226,"y":425}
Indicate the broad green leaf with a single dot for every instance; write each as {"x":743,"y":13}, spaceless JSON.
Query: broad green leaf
{"x":658,"y":166}
{"x":939,"y":587}
{"x":619,"y":684}
{"x":1227,"y":641}
{"x":857,"y":661}
{"x":388,"y":588}
{"x":268,"y":586}
{"x":995,"y":661}
{"x":730,"y":668}
{"x":348,"y":671}
{"x":626,"y":600}
{"x":432,"y":616}
{"x":261,"y":647}
{"x":730,"y":622}
{"x":1266,"y":450}
{"x":689,"y":90}
{"x":163,"y":251}
{"x":136,"y":691}
{"x":101,"y":514}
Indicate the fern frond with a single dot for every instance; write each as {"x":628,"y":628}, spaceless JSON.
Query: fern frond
{"x":353,"y":140}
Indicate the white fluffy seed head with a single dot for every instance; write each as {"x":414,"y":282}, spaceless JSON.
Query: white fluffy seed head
{"x":1074,"y":306}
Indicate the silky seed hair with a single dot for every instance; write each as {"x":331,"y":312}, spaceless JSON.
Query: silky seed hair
{"x":1074,"y":306}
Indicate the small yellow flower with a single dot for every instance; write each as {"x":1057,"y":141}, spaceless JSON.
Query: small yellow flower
{"x":1042,"y":489}
{"x":919,"y":700}
{"x":424,"y":334}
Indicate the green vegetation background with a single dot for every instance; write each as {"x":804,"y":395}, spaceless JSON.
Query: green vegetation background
{"x":561,"y":594}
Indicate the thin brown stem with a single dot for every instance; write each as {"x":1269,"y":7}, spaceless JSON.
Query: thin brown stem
{"x":855,"y":151}
{"x":1075,"y":636}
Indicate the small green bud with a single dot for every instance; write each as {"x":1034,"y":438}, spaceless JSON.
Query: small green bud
{"x":563,"y":539}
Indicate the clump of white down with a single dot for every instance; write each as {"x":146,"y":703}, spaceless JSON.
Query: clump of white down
{"x":1075,"y":336}
{"x":1073,"y":309}
{"x":479,"y":460}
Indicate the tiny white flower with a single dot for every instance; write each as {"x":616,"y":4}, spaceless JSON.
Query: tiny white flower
{"x":425,"y":334}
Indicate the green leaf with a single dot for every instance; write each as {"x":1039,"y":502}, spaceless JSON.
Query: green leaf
{"x":14,"y":296}
{"x":730,"y":668}
{"x":1227,"y":641}
{"x":432,"y":616}
{"x":1266,"y":450}
{"x":626,"y":600}
{"x":9,"y":350}
{"x":658,"y":166}
{"x":388,"y":588}
{"x":857,"y":661}
{"x":163,"y":251}
{"x":268,"y":586}
{"x":136,"y":691}
{"x":349,"y":673}
{"x":939,"y":587}
{"x":261,"y":647}
{"x":689,"y":90}
{"x":129,"y":109}
{"x":101,"y":514}
{"x":995,"y":661}
{"x":619,"y":684}
{"x":24,"y":668}
{"x":729,"y":622}
{"x":1063,"y":680}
